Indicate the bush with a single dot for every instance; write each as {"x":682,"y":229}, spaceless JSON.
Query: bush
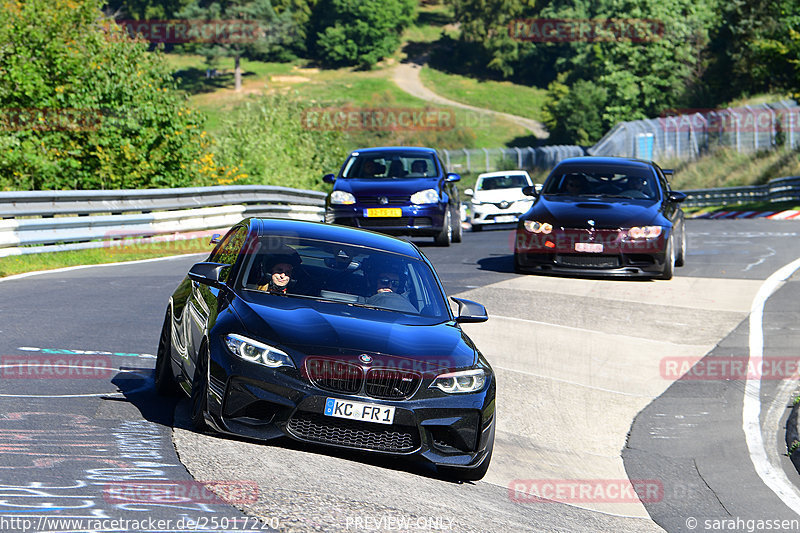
{"x":82,"y":106}
{"x":360,"y":32}
{"x":265,"y":141}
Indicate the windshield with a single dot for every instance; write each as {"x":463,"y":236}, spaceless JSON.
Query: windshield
{"x":633,"y":182}
{"x":512,"y":181}
{"x":340,"y":272}
{"x":390,"y":165}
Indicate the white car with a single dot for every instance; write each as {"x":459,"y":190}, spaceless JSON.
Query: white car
{"x":498,"y":198}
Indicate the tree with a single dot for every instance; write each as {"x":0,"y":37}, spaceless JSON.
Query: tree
{"x":755,"y":48}
{"x":268,"y":33}
{"x":82,"y":106}
{"x":576,"y":114}
{"x":486,"y":22}
{"x":360,"y":32}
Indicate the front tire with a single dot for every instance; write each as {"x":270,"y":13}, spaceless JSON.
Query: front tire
{"x":199,"y":398}
{"x":164,"y":378}
{"x":669,"y":261}
{"x":457,"y":229}
{"x":446,"y":235}
{"x":680,"y":258}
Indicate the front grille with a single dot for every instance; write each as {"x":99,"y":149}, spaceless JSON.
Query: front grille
{"x":392,"y":200}
{"x":588,"y":261}
{"x":364,"y":435}
{"x":336,"y":376}
{"x":374,"y":222}
{"x":391,"y":384}
{"x":395,"y":221}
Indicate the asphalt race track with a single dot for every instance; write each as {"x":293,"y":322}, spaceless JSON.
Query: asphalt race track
{"x":593,"y":406}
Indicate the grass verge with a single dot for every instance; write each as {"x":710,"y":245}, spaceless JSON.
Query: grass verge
{"x":502,"y":96}
{"x":19,"y":264}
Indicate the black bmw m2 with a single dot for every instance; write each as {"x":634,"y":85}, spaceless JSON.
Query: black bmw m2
{"x":330,"y":335}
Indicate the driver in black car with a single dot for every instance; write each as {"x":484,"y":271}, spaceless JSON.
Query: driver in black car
{"x":389,"y":283}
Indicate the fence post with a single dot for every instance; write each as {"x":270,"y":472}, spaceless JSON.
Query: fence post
{"x":466,"y":153}
{"x":519,"y":157}
{"x":447,"y":160}
{"x":486,"y":151}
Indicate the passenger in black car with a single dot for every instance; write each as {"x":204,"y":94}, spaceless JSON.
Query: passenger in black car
{"x":277,"y":270}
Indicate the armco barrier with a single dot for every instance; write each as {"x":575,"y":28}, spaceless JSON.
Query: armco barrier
{"x":45,"y":221}
{"x":777,"y":190}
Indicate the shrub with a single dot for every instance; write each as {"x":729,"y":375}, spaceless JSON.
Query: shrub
{"x":82,"y":106}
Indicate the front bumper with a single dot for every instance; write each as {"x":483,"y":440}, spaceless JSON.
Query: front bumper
{"x":415,"y":220}
{"x":486,"y":213}
{"x":249,"y":400}
{"x":564,"y":252}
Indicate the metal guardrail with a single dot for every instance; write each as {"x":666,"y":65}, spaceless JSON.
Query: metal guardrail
{"x":46,"y":221}
{"x":777,"y":190}
{"x":522,"y":157}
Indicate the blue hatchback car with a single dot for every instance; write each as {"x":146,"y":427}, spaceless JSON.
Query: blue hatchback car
{"x":398,"y":191}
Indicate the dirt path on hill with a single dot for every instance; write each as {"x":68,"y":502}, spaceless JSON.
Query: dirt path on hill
{"x":406,"y":76}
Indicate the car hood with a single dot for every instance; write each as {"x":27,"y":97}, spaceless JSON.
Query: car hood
{"x":387,"y":186}
{"x":575,"y":212}
{"x":498,"y":195}
{"x":339,"y":330}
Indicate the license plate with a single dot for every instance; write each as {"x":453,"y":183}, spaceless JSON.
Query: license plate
{"x":384,"y":212}
{"x":593,"y":247}
{"x":366,"y":412}
{"x":506,"y":218}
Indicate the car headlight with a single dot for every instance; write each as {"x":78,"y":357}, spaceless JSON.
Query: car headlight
{"x":428,"y":196}
{"x":342,"y":198}
{"x":458,"y":382}
{"x":257,"y":352}
{"x":538,"y":227}
{"x":644,"y":232}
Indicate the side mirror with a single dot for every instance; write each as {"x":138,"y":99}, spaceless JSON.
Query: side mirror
{"x":469,"y":311}
{"x":529,"y":190}
{"x":469,"y":192}
{"x":452,"y":177}
{"x":207,"y":273}
{"x":675,"y":196}
{"x":668,"y":172}
{"x":329,"y":178}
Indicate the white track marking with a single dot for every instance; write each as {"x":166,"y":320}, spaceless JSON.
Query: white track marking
{"x":81,"y":267}
{"x":774,"y":478}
